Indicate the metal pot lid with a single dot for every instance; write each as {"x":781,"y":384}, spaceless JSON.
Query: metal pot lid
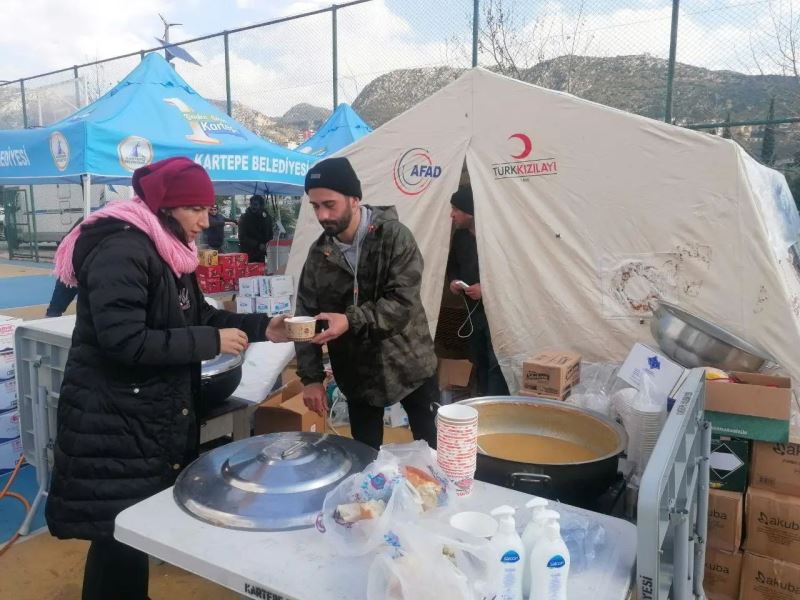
{"x":271,"y":482}
{"x":221,"y":363}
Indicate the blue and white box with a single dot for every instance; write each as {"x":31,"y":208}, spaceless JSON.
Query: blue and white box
{"x":9,"y":425}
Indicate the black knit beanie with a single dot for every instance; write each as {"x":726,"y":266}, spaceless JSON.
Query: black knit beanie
{"x":335,"y":174}
{"x":462,"y":200}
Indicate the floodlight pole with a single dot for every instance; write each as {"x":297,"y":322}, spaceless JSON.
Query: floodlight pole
{"x":86,"y":183}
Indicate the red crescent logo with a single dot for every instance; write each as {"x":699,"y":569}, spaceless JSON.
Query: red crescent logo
{"x":527,"y":145}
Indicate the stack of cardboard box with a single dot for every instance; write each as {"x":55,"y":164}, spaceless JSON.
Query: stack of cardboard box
{"x":269,"y":295}
{"x":10,"y":443}
{"x":221,"y":272}
{"x":759,"y":504}
{"x":550,"y":375}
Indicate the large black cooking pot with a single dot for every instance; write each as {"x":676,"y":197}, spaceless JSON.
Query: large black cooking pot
{"x":219,"y":377}
{"x":576,"y":483}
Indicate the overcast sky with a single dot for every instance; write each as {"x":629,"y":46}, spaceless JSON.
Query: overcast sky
{"x":275,"y":67}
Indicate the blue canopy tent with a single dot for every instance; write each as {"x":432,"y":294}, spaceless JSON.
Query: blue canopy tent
{"x":151,"y":114}
{"x":341,"y":129}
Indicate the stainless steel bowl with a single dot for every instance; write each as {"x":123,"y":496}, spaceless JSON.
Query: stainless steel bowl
{"x":695,"y":342}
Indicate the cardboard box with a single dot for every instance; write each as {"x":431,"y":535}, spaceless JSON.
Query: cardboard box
{"x":725,"y":520}
{"x":395,"y":416}
{"x":9,"y":454}
{"x":248,"y":286}
{"x":9,"y":425}
{"x":532,"y":394}
{"x":8,"y":365}
{"x":454,"y":373}
{"x":228,"y":273}
{"x":209,"y":272}
{"x":643,"y":359}
{"x":279,"y":285}
{"x":776,"y":467}
{"x":227,"y":261}
{"x":245,"y":305}
{"x":768,"y":579}
{"x":8,"y":394}
{"x":284,"y":410}
{"x":255,"y":269}
{"x":756,"y":409}
{"x":280,"y":305}
{"x":208,"y":258}
{"x":262,"y":304}
{"x":773,"y":525}
{"x":551,"y":373}
{"x":730,"y":460}
{"x":722,"y":573}
{"x":289,"y":374}
{"x":210,"y":286}
{"x":228,"y":285}
{"x":8,"y":326}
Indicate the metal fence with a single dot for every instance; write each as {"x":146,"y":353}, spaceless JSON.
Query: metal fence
{"x":691,"y":62}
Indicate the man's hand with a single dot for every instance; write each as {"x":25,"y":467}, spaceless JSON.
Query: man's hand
{"x":455,"y":288}
{"x":315,"y":398}
{"x":276,"y":330}
{"x":474,"y":291}
{"x":337,"y":326}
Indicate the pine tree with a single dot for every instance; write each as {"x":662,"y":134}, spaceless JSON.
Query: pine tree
{"x":726,"y":131}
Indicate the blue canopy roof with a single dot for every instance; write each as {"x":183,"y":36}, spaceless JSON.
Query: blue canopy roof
{"x":341,"y":129}
{"x":151,"y":114}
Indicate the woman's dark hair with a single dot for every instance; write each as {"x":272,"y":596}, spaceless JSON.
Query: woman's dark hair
{"x":171,"y":224}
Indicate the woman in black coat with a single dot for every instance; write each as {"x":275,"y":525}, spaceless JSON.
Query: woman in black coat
{"x":127,"y":419}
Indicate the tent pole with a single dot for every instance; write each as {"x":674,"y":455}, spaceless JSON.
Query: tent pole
{"x":335,"y":54}
{"x":86,"y":183}
{"x":673,"y":44}
{"x":32,"y":208}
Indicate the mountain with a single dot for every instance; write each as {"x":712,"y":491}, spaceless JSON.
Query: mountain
{"x":305,"y":116}
{"x":635,"y":84}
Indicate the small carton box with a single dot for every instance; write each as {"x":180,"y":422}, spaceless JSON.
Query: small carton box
{"x":228,"y":274}
{"x":10,"y":452}
{"x":533,"y":394}
{"x":757,"y":408}
{"x":284,"y":410}
{"x":255,"y":269}
{"x":8,"y":394}
{"x":280,"y":305}
{"x":773,"y":525}
{"x":725,"y":520}
{"x":210,"y":286}
{"x":8,"y":325}
{"x":209,"y":272}
{"x":768,"y":579}
{"x":245,"y":305}
{"x":730,"y":459}
{"x":722,"y":573}
{"x":239,"y":257}
{"x":227,"y":261}
{"x":776,"y":467}
{"x":395,"y":416}
{"x":8,"y":365}
{"x":551,"y":373}
{"x":228,"y":285}
{"x":248,"y":287}
{"x":643,"y":359}
{"x":454,"y":373}
{"x":262,"y":305}
{"x":208,"y":258}
{"x":280,"y":285}
{"x":9,"y":425}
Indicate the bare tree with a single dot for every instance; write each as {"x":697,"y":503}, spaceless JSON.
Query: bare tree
{"x":516,"y":45}
{"x":777,"y":48}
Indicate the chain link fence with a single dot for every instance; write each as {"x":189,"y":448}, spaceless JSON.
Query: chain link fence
{"x":728,"y":67}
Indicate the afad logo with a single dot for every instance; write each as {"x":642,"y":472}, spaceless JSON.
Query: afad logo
{"x":134,"y":152}
{"x":414,"y":171}
{"x":203,"y":126}
{"x":59,"y":150}
{"x":522,"y":166}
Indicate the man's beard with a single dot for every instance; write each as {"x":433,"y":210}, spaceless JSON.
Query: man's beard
{"x":333,"y":228}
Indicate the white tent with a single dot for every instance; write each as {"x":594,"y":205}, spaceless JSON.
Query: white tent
{"x":584,"y":215}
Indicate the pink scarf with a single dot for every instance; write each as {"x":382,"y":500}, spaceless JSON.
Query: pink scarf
{"x":181,"y":259}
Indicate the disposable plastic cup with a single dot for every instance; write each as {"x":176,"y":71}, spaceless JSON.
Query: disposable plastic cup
{"x":457,"y":413}
{"x":474,"y":523}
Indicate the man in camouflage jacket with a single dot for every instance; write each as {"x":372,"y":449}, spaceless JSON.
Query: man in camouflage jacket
{"x":362,"y":277}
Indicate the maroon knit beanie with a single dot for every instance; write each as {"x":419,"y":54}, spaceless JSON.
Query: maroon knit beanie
{"x":173,"y":182}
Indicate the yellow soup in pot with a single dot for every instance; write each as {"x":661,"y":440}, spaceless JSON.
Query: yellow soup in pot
{"x":532,"y":448}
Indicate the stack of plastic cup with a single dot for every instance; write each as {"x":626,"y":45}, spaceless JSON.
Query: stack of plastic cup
{"x":457,"y":445}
